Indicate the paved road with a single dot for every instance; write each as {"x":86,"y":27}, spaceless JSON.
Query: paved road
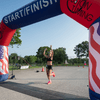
{"x":70,"y":83}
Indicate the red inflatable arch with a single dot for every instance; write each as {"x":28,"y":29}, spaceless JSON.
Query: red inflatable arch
{"x":84,"y":12}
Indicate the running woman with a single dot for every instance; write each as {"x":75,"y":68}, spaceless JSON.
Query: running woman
{"x":49,"y":64}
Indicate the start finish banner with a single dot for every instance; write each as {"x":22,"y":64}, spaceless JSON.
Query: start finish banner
{"x":83,"y":11}
{"x":33,"y":12}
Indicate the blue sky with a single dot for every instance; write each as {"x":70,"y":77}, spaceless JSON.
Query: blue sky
{"x":59,"y":31}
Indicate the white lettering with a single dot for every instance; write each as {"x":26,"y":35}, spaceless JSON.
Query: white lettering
{"x":47,"y":3}
{"x":51,"y":1}
{"x":12,"y":17}
{"x":36,"y":6}
{"x":6,"y":21}
{"x":31,"y":9}
{"x":21,"y":13}
{"x":9,"y":18}
{"x":24,"y":12}
{"x":16,"y":15}
{"x":27,"y":10}
{"x":55,"y":0}
{"x":40,"y":4}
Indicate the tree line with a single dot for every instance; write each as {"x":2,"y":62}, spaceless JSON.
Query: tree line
{"x":81,"y":50}
{"x":59,"y":57}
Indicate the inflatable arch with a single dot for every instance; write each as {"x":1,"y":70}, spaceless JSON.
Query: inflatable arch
{"x":84,"y":12}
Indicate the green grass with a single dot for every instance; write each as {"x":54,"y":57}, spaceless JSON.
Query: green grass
{"x":36,"y":66}
{"x":81,"y":64}
{"x":15,"y":68}
{"x":12,"y":67}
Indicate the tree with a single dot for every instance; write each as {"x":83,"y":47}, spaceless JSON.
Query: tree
{"x":16,"y":38}
{"x":20,"y":60}
{"x":82,"y":49}
{"x":26,"y":59}
{"x":13,"y":58}
{"x":32,"y":59}
{"x":60,"y":55}
{"x":40,"y":56}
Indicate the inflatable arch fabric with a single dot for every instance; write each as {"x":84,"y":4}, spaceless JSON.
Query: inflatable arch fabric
{"x":84,"y":12}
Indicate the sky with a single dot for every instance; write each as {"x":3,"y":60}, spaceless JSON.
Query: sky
{"x":59,"y":31}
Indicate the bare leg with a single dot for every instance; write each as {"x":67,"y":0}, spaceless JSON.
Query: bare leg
{"x":51,"y":73}
{"x":47,"y":72}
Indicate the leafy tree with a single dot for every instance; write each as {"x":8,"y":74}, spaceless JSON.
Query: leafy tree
{"x":70,"y":61}
{"x":40,"y":56}
{"x":32,"y":59}
{"x":13,"y":58}
{"x":85,"y":59}
{"x":77,"y":61}
{"x":60,"y":55}
{"x":26,"y":58}
{"x":16,"y":38}
{"x":82,"y":49}
{"x":20,"y":60}
{"x":85,"y":49}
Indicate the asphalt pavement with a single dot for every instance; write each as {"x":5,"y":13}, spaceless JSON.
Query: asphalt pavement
{"x":70,"y":83}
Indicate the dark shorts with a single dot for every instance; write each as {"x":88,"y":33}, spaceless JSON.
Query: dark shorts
{"x":49,"y":67}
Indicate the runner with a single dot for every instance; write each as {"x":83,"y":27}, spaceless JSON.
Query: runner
{"x":49,"y":64}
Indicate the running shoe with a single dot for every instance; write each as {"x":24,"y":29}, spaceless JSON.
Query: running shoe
{"x":49,"y":82}
{"x":53,"y":74}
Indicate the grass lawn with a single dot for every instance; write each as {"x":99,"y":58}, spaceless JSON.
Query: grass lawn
{"x":30,"y":67}
{"x":15,"y":68}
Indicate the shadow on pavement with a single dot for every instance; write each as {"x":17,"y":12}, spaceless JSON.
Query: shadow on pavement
{"x":40,"y":93}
